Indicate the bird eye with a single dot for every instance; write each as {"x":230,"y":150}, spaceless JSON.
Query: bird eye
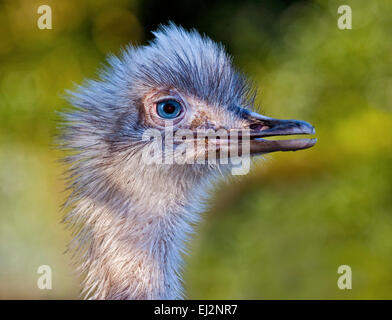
{"x":169,"y":109}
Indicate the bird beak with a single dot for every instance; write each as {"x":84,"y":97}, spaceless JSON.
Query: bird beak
{"x":261,"y":126}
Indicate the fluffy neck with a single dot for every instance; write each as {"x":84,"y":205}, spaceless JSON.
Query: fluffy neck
{"x":132,"y":234}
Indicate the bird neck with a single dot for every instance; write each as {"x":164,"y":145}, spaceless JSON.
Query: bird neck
{"x":135,"y":236}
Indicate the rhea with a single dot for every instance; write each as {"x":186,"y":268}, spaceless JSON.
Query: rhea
{"x":131,"y":219}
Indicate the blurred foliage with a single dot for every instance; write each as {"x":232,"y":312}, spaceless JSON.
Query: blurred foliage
{"x":279,"y":232}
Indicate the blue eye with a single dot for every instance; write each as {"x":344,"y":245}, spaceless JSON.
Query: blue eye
{"x":169,"y":109}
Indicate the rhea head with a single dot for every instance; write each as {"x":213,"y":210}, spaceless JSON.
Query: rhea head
{"x":181,"y":81}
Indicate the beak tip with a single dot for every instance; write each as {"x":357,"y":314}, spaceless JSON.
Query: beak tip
{"x":308,"y":143}
{"x":307,"y":127}
{"x":311,"y":143}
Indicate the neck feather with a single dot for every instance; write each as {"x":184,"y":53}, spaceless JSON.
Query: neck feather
{"x":131,"y":236}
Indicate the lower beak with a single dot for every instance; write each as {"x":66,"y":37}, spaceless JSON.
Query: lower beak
{"x":261,"y":126}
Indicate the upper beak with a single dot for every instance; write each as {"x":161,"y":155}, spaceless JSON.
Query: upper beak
{"x":262,"y":126}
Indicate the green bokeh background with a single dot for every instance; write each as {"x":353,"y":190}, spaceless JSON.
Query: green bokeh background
{"x":283,"y":230}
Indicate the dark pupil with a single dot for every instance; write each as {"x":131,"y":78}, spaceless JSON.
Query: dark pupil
{"x":169,"y":108}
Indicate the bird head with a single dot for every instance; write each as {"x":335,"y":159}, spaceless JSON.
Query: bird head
{"x":182,"y":83}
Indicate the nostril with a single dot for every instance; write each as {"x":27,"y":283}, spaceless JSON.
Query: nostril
{"x":254,"y":126}
{"x":258,"y":126}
